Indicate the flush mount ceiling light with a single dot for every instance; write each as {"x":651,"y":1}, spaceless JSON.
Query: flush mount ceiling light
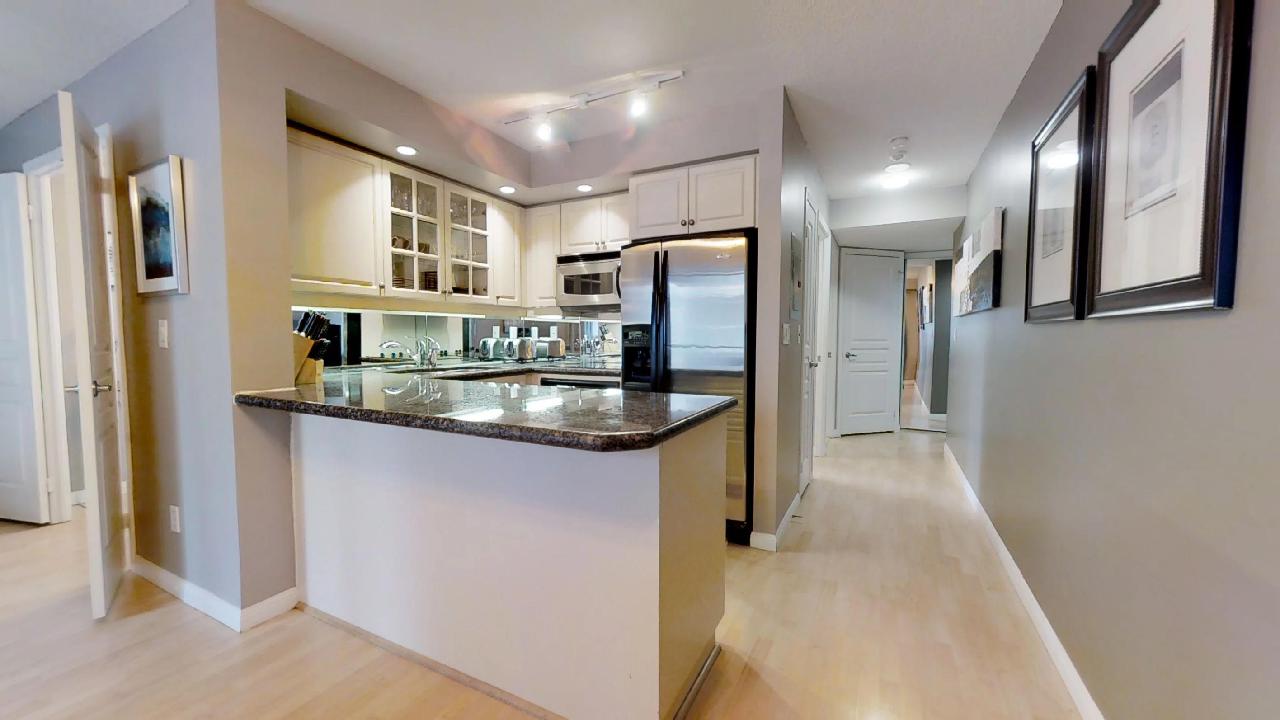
{"x":506,"y":189}
{"x":584,"y":188}
{"x":407,"y":150}
{"x":637,"y":87}
{"x":1064,"y":156}
{"x":895,"y":173}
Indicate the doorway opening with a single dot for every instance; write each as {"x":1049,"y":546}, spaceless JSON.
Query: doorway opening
{"x":926,"y":330}
{"x":64,"y":459}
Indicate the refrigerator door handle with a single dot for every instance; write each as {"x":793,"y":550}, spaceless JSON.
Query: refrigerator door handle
{"x":664,"y":329}
{"x":655,"y":326}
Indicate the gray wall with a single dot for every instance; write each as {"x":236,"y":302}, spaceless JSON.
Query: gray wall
{"x":159,"y":95}
{"x":939,"y":339}
{"x":1130,"y":464}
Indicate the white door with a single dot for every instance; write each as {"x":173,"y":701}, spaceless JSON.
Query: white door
{"x":581,"y":227}
{"x":24,"y":477}
{"x":616,"y":211}
{"x":869,"y":352}
{"x":90,"y":315}
{"x":543,"y":229}
{"x":660,"y":203}
{"x":808,"y":339}
{"x":722,"y":195}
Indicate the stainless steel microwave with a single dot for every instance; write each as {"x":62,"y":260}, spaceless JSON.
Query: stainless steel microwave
{"x":588,"y":284}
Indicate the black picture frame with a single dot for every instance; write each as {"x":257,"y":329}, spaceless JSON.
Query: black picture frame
{"x":1082,"y":98}
{"x":1213,"y":287}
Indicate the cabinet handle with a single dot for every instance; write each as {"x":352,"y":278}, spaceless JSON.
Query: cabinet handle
{"x":691,"y":221}
{"x":684,"y":223}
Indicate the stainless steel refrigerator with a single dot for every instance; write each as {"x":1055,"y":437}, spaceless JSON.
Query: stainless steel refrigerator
{"x":688,"y":326}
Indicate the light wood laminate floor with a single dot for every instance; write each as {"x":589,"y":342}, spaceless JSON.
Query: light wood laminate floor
{"x":885,"y":603}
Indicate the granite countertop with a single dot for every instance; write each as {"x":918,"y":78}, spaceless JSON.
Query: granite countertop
{"x":602,"y":420}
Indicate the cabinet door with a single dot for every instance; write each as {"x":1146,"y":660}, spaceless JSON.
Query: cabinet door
{"x":543,"y":233}
{"x":581,"y":226}
{"x":659,"y":203}
{"x":617,"y":221}
{"x":504,"y":252}
{"x":468,"y":245}
{"x":414,"y":234}
{"x":722,"y":195}
{"x":334,"y":216}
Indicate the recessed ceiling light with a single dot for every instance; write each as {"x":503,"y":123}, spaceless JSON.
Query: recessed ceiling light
{"x":584,"y":188}
{"x":893,"y":181}
{"x":897,"y":167}
{"x":406,"y":150}
{"x":506,"y":189}
{"x":639,"y":105}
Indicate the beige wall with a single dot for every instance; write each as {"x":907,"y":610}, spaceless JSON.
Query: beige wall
{"x":1130,"y":464}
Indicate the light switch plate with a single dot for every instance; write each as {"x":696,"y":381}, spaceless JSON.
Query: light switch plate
{"x":162,"y":333}
{"x":786,"y":333}
{"x":175,"y":519}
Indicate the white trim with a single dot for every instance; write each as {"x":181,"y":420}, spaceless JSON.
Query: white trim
{"x":215,"y":607}
{"x":260,"y":612}
{"x":771,"y":542}
{"x":1076,"y":688}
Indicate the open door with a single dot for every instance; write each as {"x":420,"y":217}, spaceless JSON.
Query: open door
{"x":24,"y":477}
{"x":808,"y":337}
{"x":90,"y":315}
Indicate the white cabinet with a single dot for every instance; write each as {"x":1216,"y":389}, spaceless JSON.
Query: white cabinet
{"x":722,"y":195}
{"x":660,"y":203}
{"x":415,"y":239}
{"x":504,"y":252}
{"x":581,"y":223}
{"x":541,"y":247}
{"x":615,"y":221}
{"x":334,"y":216}
{"x":717,"y":195}
{"x":468,"y":244}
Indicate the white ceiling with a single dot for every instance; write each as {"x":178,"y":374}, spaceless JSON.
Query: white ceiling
{"x":916,"y":236}
{"x":858,"y":72}
{"x":45,"y":46}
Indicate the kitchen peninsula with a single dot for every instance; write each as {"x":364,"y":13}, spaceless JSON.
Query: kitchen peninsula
{"x":563,"y":548}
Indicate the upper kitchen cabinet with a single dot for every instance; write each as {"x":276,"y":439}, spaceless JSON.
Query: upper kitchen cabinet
{"x":581,"y":226}
{"x":541,"y":247}
{"x":615,"y":221}
{"x":468,"y":245}
{"x":334,"y":216}
{"x":415,"y":240}
{"x":504,"y":252}
{"x":660,"y":203}
{"x":717,"y":195}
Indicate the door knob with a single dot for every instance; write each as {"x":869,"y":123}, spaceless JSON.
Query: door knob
{"x":684,"y":223}
{"x":100,"y":388}
{"x":850,"y":355}
{"x":813,"y":364}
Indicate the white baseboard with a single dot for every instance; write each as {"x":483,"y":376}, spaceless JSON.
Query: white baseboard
{"x":1084,"y":703}
{"x":770,"y":542}
{"x":228,"y":614}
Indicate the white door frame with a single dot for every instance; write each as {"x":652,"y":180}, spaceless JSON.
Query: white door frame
{"x":901,"y":256}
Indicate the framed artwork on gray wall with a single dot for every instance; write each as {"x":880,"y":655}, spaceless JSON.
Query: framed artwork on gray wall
{"x":1059,"y":222}
{"x":975,"y":282}
{"x":1173,"y":83}
{"x":159,"y":227}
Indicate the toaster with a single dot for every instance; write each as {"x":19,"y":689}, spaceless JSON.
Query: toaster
{"x":551,"y":348}
{"x":526,"y":349}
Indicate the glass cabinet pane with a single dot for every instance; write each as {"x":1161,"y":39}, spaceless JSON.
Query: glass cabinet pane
{"x":479,"y":215}
{"x":428,"y":238}
{"x":479,"y":248}
{"x":479,"y":281}
{"x":429,"y":274}
{"x":427,"y":200}
{"x":402,"y":272}
{"x":401,"y":193}
{"x":460,"y":277}
{"x":401,"y":232}
{"x":458,"y":213}
{"x":460,"y":244}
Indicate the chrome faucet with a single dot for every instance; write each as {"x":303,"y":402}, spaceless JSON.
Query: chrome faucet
{"x":425,"y":353}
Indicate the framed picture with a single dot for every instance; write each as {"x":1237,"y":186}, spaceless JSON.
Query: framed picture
{"x":975,"y":282}
{"x":159,"y":227}
{"x":797,"y":277}
{"x":1058,"y":230}
{"x":1173,"y":83}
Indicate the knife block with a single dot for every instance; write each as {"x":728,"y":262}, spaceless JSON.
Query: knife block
{"x":312,"y":371}
{"x":301,"y":346}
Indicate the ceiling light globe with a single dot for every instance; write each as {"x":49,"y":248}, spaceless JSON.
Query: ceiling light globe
{"x":898,"y":167}
{"x":894,"y":181}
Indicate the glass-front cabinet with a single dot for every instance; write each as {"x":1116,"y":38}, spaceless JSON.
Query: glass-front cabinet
{"x":468,"y":243}
{"x":415,"y":246}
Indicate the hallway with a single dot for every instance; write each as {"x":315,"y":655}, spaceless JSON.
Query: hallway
{"x":886,"y":603}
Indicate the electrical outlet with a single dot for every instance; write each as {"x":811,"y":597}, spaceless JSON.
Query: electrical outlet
{"x":175,"y":519}
{"x":163,"y":334}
